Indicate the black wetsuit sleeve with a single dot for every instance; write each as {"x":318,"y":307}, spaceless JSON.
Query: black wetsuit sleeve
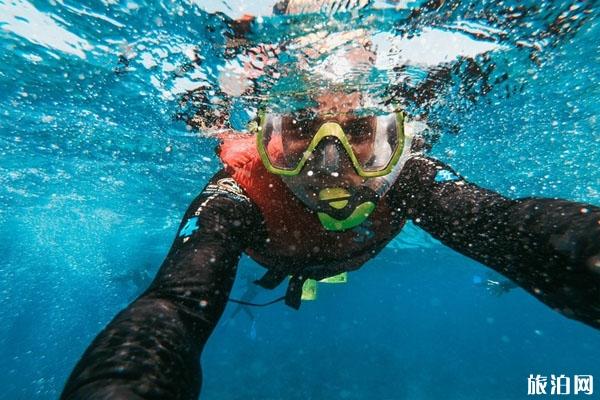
{"x":549,"y":247}
{"x":151,"y":349}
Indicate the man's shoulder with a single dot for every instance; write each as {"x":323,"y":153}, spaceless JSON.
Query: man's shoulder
{"x":222,"y":194}
{"x":224,"y":185}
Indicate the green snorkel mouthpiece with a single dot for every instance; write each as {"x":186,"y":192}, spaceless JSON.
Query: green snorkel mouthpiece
{"x":340,"y":213}
{"x":357,"y":217}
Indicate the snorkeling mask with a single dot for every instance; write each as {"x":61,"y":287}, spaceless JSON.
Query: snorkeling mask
{"x":376,"y":145}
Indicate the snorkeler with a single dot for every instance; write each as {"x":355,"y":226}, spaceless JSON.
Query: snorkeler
{"x":313,"y":193}
{"x":310,"y":195}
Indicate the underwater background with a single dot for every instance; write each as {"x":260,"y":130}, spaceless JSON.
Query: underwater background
{"x":98,"y":162}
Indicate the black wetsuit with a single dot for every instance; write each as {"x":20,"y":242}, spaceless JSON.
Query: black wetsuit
{"x":151,"y":350}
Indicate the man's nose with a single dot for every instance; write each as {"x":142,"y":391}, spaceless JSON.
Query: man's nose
{"x":329,"y":157}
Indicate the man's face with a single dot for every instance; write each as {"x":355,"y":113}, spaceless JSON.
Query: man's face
{"x":329,"y":166}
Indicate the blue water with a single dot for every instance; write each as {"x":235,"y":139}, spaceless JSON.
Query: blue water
{"x":96,"y":168}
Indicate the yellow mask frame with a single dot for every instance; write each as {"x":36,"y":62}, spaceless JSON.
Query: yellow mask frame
{"x":331,"y":129}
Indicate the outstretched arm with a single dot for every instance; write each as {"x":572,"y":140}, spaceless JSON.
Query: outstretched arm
{"x":549,"y":247}
{"x":151,"y":349}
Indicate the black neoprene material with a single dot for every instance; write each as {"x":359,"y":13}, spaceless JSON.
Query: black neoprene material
{"x":549,"y":247}
{"x":151,"y":350}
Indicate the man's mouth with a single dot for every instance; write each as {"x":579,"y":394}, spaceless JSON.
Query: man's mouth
{"x":337,"y":197}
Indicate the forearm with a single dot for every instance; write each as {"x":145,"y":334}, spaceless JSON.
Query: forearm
{"x":144,"y":353}
{"x":152,"y":349}
{"x":549,"y":247}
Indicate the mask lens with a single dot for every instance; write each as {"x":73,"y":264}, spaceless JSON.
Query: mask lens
{"x":374,"y":140}
{"x":285,"y":140}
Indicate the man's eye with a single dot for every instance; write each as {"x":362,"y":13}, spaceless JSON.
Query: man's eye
{"x":299,"y":129}
{"x":303,"y":133}
{"x":359,"y":129}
